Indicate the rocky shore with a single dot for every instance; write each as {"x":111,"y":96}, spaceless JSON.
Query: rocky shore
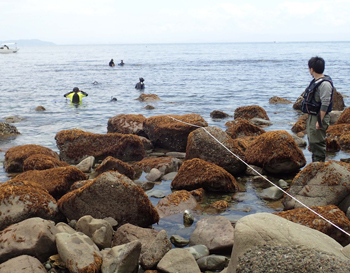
{"x":84,"y":209}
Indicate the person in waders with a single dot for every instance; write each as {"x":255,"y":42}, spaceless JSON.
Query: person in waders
{"x":317,"y":103}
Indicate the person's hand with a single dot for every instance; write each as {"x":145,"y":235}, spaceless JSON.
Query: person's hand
{"x":318,"y":126}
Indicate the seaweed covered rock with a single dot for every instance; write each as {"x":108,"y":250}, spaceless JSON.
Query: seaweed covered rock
{"x":8,"y":130}
{"x":242,"y":128}
{"x":176,"y":202}
{"x":279,"y":100}
{"x":164,"y":164}
{"x":319,"y":184}
{"x":148,"y":97}
{"x":339,"y":133}
{"x":249,"y":112}
{"x":332,"y":213}
{"x":15,"y":156}
{"x":126,"y":124}
{"x":76,"y":145}
{"x":42,"y":162}
{"x":197,"y":173}
{"x":113,"y":164}
{"x":300,"y":125}
{"x":344,"y":117}
{"x":166,"y":132}
{"x":56,"y":181}
{"x":203,"y":144}
{"x":111,"y":194}
{"x":218,"y":114}
{"x":276,"y":152}
{"x":20,"y":200}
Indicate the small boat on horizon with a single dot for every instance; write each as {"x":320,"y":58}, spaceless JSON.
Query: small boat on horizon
{"x":5,"y":49}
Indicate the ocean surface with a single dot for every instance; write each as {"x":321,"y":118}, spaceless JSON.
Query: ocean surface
{"x":188,"y":78}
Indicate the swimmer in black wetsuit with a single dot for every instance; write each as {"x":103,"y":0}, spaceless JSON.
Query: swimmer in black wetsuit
{"x":76,"y":95}
{"x":111,"y":63}
{"x":140,"y":85}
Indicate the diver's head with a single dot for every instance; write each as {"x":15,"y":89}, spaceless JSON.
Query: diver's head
{"x":142,"y":80}
{"x":76,"y":89}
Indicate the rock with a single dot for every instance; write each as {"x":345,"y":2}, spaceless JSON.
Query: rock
{"x":298,"y":102}
{"x":86,"y":164}
{"x":276,"y":152}
{"x":110,"y":195}
{"x":249,"y":112}
{"x":176,"y":202}
{"x":197,"y":173}
{"x":212,"y":263}
{"x":42,"y":162}
{"x":154,"y":175}
{"x":260,"y":122}
{"x":169,"y":176}
{"x":163,"y":164}
{"x":332,"y":145}
{"x":154,"y":244}
{"x":188,"y":218}
{"x":40,"y":108}
{"x":148,"y":97}
{"x":178,"y":260}
{"x":220,"y":205}
{"x":20,"y":200}
{"x":344,"y":117}
{"x":204,"y":146}
{"x":34,"y":237}
{"x":113,"y":164}
{"x":13,"y":119}
{"x":300,"y":125}
{"x":332,"y":213}
{"x":123,"y":258}
{"x":278,"y":100}
{"x":169,"y":133}
{"x":198,"y":251}
{"x":178,"y":241}
{"x":64,"y":228}
{"x":76,"y":145}
{"x":8,"y":130}
{"x":283,"y":184}
{"x":22,"y":264}
{"x":254,"y":170}
{"x":155,"y":194}
{"x":56,"y":181}
{"x":218,"y":114}
{"x":299,"y":141}
{"x":242,"y":128}
{"x":261,"y":229}
{"x":271,"y":193}
{"x":78,"y":252}
{"x":147,"y":144}
{"x":99,"y":230}
{"x":15,"y":156}
{"x":178,"y":155}
{"x":149,"y":107}
{"x":126,"y":124}
{"x":334,"y":115}
{"x":319,"y":184}
{"x":339,"y":133}
{"x":215,"y":232}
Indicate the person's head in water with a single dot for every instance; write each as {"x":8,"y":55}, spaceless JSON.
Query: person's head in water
{"x":141,"y":80}
{"x":75,"y":89}
{"x":317,"y":64}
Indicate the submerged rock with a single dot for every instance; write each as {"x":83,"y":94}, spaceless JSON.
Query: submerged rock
{"x":8,"y":130}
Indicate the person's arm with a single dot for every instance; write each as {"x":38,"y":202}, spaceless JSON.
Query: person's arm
{"x":325,"y":96}
{"x":84,"y":93}
{"x":65,"y":95}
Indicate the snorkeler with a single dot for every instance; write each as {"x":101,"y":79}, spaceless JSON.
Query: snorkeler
{"x":111,"y":63}
{"x":140,"y":85}
{"x":121,"y":62}
{"x":76,"y":95}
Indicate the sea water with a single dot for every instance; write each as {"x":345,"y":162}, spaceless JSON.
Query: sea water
{"x":188,"y":78}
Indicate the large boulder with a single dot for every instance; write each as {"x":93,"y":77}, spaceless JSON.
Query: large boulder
{"x":34,"y":237}
{"x":176,"y":202}
{"x":204,"y":143}
{"x":42,"y":162}
{"x":332,"y":213}
{"x":15,"y":156}
{"x":113,"y":164}
{"x":197,"y":173}
{"x":300,"y":125}
{"x":249,"y":112}
{"x":126,"y":124}
{"x":111,"y":194}
{"x":319,"y":184}
{"x":266,"y":229}
{"x":242,"y":128}
{"x":339,"y":133}
{"x":171,"y":132}
{"x":178,"y":260}
{"x":56,"y":181}
{"x":344,"y":117}
{"x":76,"y":145}
{"x":276,"y":152}
{"x":20,"y":200}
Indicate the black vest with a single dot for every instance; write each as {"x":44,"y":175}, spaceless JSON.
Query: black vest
{"x":309,"y":104}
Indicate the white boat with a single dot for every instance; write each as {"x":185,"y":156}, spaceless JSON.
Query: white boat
{"x":8,"y":48}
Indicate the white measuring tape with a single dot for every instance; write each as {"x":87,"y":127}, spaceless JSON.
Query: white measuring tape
{"x":319,"y":215}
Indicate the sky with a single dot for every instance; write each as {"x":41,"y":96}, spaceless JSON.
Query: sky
{"x":178,"y":21}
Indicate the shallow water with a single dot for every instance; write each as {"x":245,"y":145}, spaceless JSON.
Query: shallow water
{"x":189,"y":78}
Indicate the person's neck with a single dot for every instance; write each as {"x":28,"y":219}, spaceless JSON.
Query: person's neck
{"x":317,"y":76}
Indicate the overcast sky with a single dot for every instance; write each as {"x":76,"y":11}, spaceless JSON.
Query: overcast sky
{"x":176,"y":21}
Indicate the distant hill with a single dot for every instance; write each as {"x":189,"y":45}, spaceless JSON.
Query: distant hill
{"x":32,"y":42}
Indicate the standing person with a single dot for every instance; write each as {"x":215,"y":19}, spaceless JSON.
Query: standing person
{"x":140,"y":85}
{"x":318,"y":102}
{"x":111,"y":63}
{"x":76,"y":95}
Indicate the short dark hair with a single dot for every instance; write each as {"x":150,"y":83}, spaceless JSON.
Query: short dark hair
{"x":317,"y":64}
{"x":75,"y":89}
